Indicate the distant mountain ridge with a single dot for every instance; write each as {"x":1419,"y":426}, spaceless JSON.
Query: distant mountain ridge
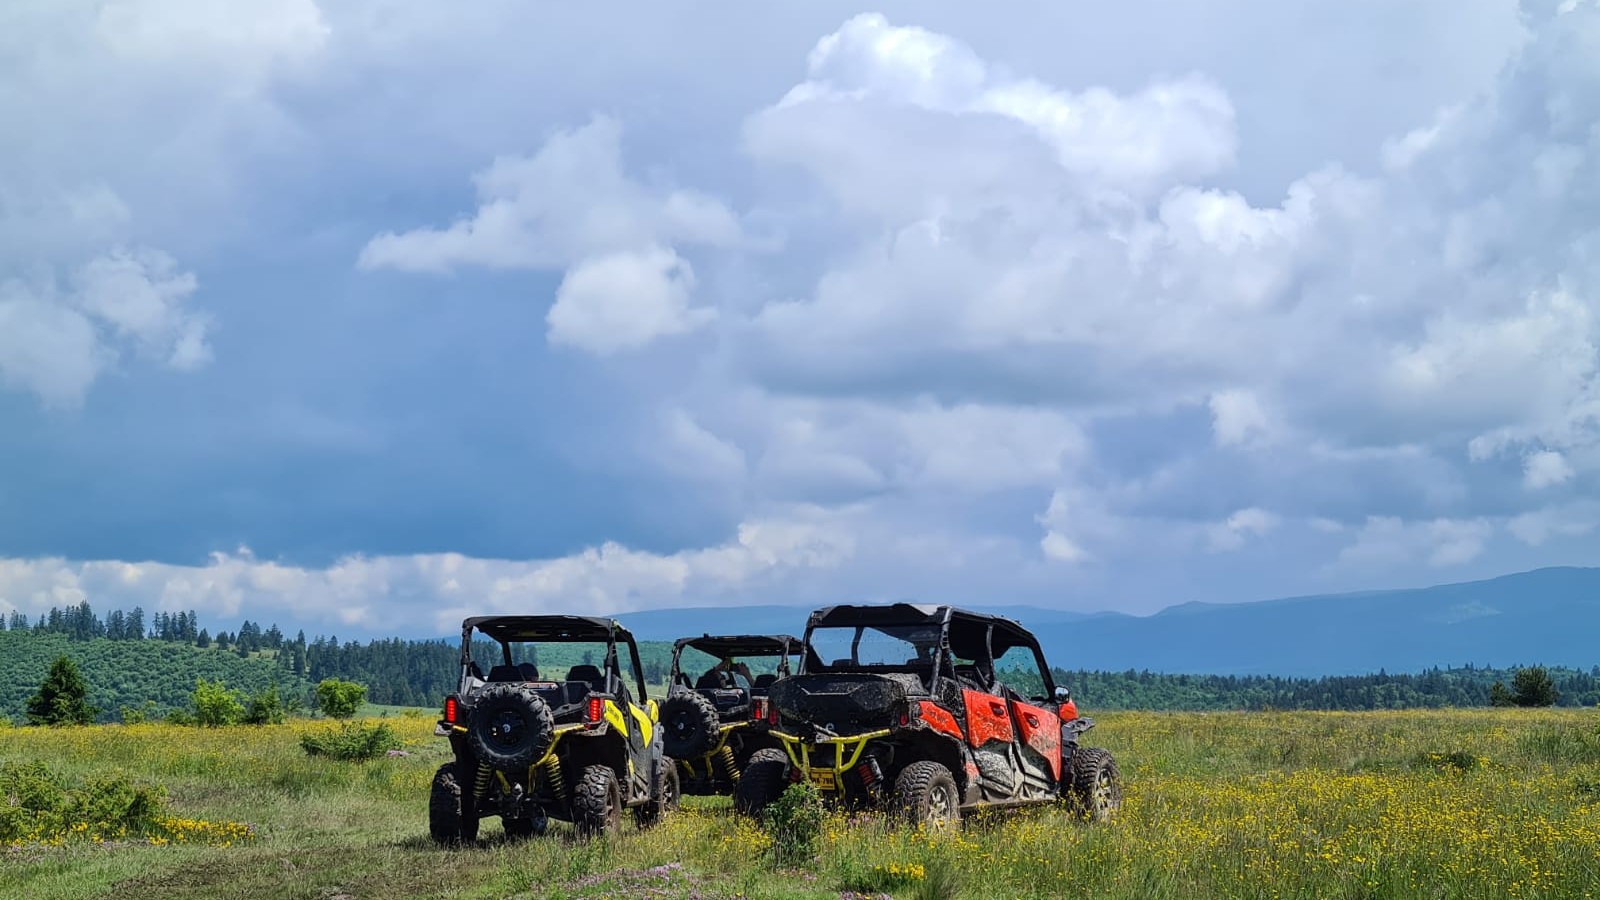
{"x":1549,"y":616}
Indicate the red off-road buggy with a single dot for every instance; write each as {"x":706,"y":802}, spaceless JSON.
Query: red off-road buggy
{"x":930,"y":712}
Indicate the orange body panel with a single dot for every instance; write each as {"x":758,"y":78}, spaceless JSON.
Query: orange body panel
{"x":939,"y":719}
{"x":987,"y":718}
{"x":1041,"y":730}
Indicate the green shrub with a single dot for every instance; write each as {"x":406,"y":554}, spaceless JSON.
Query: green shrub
{"x":37,"y":804}
{"x":266,"y":708}
{"x":136,"y":715}
{"x":351,"y":741}
{"x":795,"y":820}
{"x":340,"y":699}
{"x":215,"y":705}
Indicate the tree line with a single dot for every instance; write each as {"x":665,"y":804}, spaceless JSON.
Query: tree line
{"x":403,"y":672}
{"x":1434,"y":688}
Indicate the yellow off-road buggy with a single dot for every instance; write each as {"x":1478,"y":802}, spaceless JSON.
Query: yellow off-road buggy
{"x":579,"y":742}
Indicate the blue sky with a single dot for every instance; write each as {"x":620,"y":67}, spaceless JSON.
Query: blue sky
{"x":366,"y":315}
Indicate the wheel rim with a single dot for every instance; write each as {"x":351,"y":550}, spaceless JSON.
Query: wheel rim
{"x":1101,"y":802}
{"x":941,"y":804}
{"x":507,"y":730}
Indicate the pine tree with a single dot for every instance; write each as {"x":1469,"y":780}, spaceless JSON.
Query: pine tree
{"x":61,"y":698}
{"x":1533,"y":687}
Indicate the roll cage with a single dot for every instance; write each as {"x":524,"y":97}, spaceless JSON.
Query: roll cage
{"x":509,"y":630}
{"x":951,"y":644}
{"x":781,"y":646}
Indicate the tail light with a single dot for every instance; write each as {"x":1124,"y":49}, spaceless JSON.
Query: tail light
{"x":772,"y":714}
{"x":597,"y":707}
{"x":909,"y":712}
{"x":452,"y":710}
{"x":758,"y":709}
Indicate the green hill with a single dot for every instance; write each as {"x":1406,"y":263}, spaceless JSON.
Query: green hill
{"x":127,"y":673}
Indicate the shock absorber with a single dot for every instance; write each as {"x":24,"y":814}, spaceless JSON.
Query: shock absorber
{"x":728,"y":765}
{"x":553,"y":777}
{"x":482,"y":785}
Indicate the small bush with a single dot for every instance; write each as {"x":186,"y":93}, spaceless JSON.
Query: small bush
{"x":138,"y":715}
{"x":215,"y":705}
{"x":795,"y":820}
{"x":340,"y":699}
{"x":266,"y":708}
{"x":37,"y":804}
{"x":351,"y":742}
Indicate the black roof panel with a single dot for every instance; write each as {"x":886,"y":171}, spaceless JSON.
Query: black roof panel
{"x":554,"y":629}
{"x":740,"y":644}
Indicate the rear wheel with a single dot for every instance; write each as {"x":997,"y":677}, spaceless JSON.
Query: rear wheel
{"x":452,"y":814}
{"x":925,"y":794}
{"x":1096,"y":783}
{"x":689,"y":722}
{"x":597,"y":802}
{"x":511,"y":727}
{"x":665,"y":800}
{"x":763,"y":781}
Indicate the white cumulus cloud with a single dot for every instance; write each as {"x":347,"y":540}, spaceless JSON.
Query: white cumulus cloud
{"x":623,"y":301}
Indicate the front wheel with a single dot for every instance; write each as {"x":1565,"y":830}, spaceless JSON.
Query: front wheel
{"x":926,"y":794}
{"x":597,"y":802}
{"x":665,"y":798}
{"x":763,"y":781}
{"x":1096,"y":783}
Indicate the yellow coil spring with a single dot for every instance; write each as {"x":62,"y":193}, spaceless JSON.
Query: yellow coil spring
{"x":552,"y":776}
{"x":482,"y":787}
{"x":726,"y":755}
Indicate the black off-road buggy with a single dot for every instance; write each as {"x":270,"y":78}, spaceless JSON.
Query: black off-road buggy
{"x":712,"y":725}
{"x":578,"y":742}
{"x":930,"y":712}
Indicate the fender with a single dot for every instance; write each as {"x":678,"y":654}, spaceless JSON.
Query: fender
{"x":1071,"y":730}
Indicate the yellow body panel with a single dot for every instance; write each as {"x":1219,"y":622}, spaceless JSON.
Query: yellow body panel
{"x":647,"y":725}
{"x":614,"y":718}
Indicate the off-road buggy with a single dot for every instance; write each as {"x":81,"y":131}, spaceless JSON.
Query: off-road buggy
{"x":713,"y":724}
{"x":578,"y":742}
{"x":928,"y":712}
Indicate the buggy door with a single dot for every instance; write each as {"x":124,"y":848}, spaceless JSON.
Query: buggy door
{"x":1038,"y":729}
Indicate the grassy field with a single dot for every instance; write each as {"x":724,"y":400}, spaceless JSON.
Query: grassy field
{"x":1469,"y":804}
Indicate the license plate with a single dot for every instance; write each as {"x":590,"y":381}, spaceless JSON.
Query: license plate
{"x":823,"y":779}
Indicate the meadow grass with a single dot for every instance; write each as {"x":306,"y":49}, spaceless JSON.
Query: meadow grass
{"x":1435,"y":804}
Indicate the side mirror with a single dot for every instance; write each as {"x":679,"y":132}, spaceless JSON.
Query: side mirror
{"x":1063,"y":695}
